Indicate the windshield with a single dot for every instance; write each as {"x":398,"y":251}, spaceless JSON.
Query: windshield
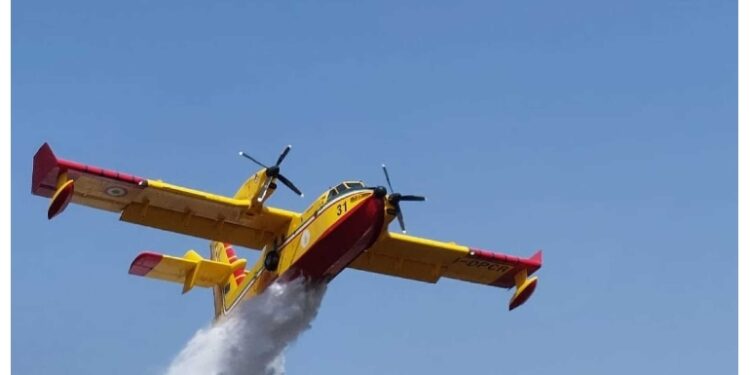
{"x":343,"y":188}
{"x":355,"y":185}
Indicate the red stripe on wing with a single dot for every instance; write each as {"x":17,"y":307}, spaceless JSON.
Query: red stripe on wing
{"x":506,"y":280}
{"x":47,"y":167}
{"x":119,"y":176}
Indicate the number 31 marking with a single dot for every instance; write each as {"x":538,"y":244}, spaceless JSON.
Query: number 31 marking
{"x":340,"y":209}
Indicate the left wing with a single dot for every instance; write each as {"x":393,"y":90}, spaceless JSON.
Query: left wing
{"x":155,"y":203}
{"x":426,"y":260}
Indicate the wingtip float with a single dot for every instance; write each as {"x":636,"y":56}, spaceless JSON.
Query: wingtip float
{"x":345,"y":227}
{"x":525,"y":287}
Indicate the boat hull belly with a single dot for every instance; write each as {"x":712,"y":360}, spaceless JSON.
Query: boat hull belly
{"x":341,"y":231}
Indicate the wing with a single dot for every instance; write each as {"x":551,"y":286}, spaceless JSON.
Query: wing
{"x":427,"y":260}
{"x":155,"y":203}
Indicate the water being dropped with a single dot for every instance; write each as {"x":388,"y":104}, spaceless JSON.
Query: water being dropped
{"x":252,"y":339}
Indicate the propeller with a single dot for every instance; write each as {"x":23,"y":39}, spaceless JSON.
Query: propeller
{"x":396,"y":198}
{"x":274,"y":172}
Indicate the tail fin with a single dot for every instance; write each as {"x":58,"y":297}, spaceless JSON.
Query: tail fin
{"x":226,"y":294}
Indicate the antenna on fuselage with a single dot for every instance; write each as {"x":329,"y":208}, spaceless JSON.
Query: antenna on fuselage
{"x":274,"y":172}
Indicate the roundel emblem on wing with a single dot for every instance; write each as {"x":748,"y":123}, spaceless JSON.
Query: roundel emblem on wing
{"x":305,"y":238}
{"x":116,"y":191}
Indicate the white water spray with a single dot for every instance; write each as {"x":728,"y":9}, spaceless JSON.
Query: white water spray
{"x":252,"y":339}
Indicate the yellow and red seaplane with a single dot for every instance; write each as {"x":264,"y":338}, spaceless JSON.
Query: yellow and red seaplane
{"x":346,"y":226}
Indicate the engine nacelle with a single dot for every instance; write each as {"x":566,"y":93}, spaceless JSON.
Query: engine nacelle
{"x":252,"y":189}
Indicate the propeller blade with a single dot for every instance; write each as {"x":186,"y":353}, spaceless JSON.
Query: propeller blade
{"x":394,"y":199}
{"x":400,"y":219}
{"x":289,"y":184}
{"x":283,"y":155}
{"x":387,"y":178}
{"x":272,"y":173}
{"x":413,"y":198}
{"x":253,"y":160}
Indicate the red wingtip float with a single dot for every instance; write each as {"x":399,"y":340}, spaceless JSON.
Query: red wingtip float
{"x":525,"y":286}
{"x":523,"y":292}
{"x":345,"y":227}
{"x":61,"y":198}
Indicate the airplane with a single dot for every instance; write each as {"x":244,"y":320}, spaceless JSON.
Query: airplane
{"x":345,"y":227}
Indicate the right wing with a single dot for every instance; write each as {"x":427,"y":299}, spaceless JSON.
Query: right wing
{"x":155,"y":203}
{"x":427,"y":260}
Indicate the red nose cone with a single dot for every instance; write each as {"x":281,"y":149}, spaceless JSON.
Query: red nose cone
{"x":523,"y":294}
{"x":60,"y":200}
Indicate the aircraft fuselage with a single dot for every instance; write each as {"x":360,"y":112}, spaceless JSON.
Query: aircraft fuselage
{"x":324,"y":242}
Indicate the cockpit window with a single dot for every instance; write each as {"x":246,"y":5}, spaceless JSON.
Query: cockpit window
{"x":332,"y":194}
{"x":343,"y":188}
{"x":355,"y":185}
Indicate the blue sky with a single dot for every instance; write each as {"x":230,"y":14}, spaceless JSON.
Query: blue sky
{"x":602,"y":132}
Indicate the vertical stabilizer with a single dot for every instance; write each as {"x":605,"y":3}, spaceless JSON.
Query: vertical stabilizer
{"x":224,"y":295}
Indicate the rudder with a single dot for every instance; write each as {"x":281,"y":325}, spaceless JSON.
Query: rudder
{"x":227,"y":293}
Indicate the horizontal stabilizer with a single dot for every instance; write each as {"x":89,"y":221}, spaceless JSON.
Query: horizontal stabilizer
{"x":190,"y":270}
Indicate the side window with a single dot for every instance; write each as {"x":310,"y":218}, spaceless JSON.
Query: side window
{"x":332,"y":194}
{"x":341,"y":188}
{"x":355,"y":185}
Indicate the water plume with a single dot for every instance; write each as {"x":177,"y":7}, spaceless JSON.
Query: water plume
{"x":252,"y":339}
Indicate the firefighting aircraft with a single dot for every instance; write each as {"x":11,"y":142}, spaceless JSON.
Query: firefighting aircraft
{"x":346,"y":226}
